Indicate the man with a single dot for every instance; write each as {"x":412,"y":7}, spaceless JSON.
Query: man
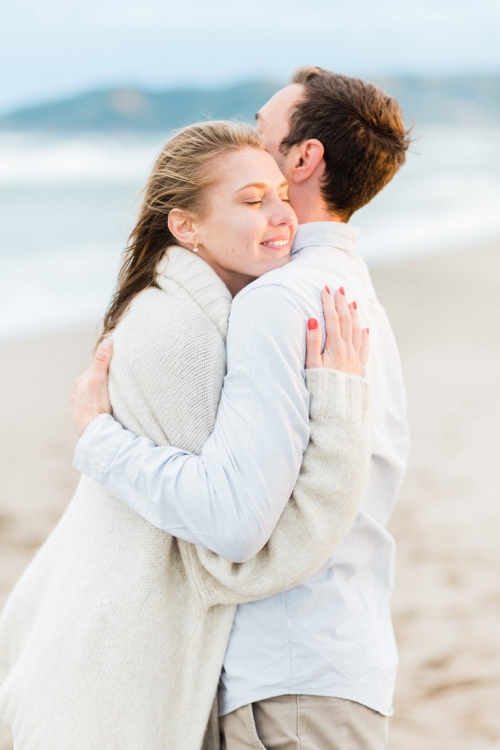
{"x":315,"y":666}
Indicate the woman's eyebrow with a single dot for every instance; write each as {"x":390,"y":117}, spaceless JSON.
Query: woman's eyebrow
{"x":260,"y":185}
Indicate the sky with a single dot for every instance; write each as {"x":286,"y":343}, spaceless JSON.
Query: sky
{"x":57,"y":48}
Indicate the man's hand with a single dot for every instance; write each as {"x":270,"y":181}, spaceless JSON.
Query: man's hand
{"x":90,"y":392}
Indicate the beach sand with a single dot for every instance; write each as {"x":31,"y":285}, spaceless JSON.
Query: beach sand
{"x":445,"y":310}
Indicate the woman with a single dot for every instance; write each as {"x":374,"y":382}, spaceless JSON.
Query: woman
{"x":115,"y":635}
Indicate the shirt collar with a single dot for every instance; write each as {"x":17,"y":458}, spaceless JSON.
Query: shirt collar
{"x":326,"y":233}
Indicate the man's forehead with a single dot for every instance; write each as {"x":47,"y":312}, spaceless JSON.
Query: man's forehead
{"x":280,"y":103}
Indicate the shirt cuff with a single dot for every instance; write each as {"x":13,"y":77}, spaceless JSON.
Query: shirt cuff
{"x":97,"y":446}
{"x":337,"y":395}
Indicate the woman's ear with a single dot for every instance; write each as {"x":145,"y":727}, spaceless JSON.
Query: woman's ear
{"x":306,"y":158}
{"x":181,"y":224}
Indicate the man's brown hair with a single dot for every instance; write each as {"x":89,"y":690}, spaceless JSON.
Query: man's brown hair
{"x":361,"y":129}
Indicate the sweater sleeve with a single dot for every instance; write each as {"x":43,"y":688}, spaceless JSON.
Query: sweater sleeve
{"x":324,"y":503}
{"x":230,"y":498}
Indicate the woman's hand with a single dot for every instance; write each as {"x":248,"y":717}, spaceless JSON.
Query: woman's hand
{"x":346,"y":346}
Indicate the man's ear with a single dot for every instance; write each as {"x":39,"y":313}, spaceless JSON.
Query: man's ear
{"x":181,"y":224}
{"x":306,"y":158}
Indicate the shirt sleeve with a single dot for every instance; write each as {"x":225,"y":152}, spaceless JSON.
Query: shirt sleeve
{"x":230,"y":498}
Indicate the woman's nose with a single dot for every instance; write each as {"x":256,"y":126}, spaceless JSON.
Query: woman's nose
{"x":283,"y":214}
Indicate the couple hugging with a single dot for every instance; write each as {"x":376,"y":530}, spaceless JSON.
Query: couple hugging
{"x":234,"y":590}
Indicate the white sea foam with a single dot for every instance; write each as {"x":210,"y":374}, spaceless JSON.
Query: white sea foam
{"x":55,"y":291}
{"x":93,"y":159}
{"x":67,"y":204}
{"x":447,"y":195}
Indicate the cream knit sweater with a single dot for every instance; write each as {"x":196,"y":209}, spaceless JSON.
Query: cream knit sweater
{"x":115,"y":635}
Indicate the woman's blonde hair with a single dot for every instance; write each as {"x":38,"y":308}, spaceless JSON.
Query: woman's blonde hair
{"x":180,"y":178}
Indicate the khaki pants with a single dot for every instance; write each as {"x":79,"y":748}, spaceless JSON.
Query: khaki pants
{"x":304,"y":722}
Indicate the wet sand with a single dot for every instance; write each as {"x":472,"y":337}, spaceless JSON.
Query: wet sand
{"x":445,"y":310}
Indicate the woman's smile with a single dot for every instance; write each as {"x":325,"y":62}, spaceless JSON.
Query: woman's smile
{"x":278,"y":243}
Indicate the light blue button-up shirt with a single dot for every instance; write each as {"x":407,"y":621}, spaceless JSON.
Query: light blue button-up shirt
{"x":332,"y":635}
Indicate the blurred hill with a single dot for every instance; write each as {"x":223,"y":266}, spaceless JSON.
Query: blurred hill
{"x":465,"y":100}
{"x":141,"y":109}
{"x":458,"y":100}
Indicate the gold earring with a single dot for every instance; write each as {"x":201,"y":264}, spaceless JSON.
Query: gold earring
{"x":195,"y":248}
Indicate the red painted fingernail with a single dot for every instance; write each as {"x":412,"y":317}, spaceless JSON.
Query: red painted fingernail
{"x":328,"y":289}
{"x":312,"y":324}
{"x":342,"y":290}
{"x":368,"y":331}
{"x":355,"y":305}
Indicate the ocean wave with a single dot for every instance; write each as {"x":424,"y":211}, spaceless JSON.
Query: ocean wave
{"x":66,"y":206}
{"x":31,"y":159}
{"x":56,"y":291}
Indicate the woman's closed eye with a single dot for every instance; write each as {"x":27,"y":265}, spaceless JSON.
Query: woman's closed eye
{"x":258,"y":201}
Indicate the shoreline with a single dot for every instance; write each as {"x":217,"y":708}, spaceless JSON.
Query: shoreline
{"x":40,"y":328}
{"x":445,"y":311}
